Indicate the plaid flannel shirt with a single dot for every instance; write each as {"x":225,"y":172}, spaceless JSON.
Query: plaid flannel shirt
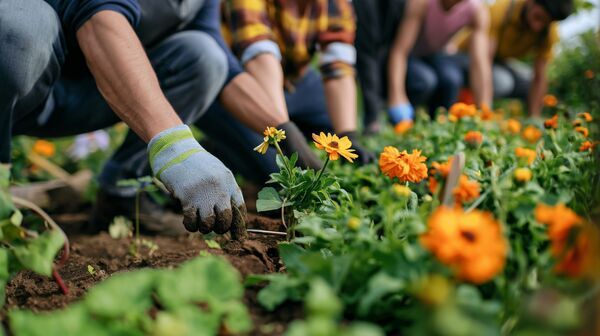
{"x":294,"y":35}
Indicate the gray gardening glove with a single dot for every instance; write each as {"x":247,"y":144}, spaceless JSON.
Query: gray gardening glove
{"x":207,"y":190}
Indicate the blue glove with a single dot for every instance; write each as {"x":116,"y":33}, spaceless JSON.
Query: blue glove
{"x":207,"y":190}
{"x":401,"y":112}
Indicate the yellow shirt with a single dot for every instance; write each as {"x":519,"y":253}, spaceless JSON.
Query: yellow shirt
{"x":513,"y":37}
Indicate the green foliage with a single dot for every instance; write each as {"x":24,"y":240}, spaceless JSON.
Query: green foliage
{"x":20,"y":248}
{"x":575,"y":73}
{"x":185,"y":301}
{"x":366,"y":249}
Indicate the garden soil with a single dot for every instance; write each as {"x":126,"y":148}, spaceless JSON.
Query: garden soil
{"x":108,"y":256}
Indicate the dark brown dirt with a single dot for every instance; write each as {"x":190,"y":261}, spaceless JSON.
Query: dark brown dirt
{"x":257,"y":255}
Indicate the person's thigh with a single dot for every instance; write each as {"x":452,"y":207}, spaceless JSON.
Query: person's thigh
{"x":31,"y":56}
{"x":523,"y":75}
{"x":307,"y":105}
{"x":421,"y":81}
{"x":504,"y":82}
{"x":449,"y":72}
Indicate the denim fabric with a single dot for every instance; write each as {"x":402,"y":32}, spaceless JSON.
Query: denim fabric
{"x":233,"y":142}
{"x":36,"y":100}
{"x":433,"y":81}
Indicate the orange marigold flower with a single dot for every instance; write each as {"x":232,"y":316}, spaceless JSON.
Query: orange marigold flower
{"x":470,"y":243}
{"x":550,"y":100}
{"x":443,"y":169}
{"x":587,"y":146}
{"x":586,"y":116}
{"x":403,"y":126}
{"x":462,"y":110}
{"x":486,"y":112}
{"x":552,"y":122}
{"x":523,"y":175}
{"x":512,"y":126}
{"x":563,"y":223}
{"x":433,"y":185}
{"x":474,"y":138}
{"x":466,"y":190}
{"x":577,"y":122}
{"x":526,"y":154}
{"x":335,"y":146}
{"x":402,"y":165}
{"x":582,"y":130}
{"x":531,"y":134}
{"x":589,"y":74}
{"x":44,"y":148}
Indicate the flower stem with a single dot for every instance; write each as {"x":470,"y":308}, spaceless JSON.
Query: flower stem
{"x":287,"y":163}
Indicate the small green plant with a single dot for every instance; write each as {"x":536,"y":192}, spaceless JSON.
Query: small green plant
{"x":183,"y":301}
{"x":301,"y":191}
{"x":21,"y":248}
{"x":91,"y":270}
{"x":143,"y":184}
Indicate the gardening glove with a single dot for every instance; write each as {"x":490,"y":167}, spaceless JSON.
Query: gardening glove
{"x":401,"y":112}
{"x":365,"y":156}
{"x":295,"y":142}
{"x":207,"y":190}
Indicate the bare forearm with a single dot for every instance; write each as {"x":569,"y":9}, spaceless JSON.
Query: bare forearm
{"x":341,"y":103}
{"x":480,"y":74}
{"x":267,"y":71}
{"x":124,"y":75}
{"x":397,"y":79}
{"x":249,"y":103}
{"x":536,"y":94}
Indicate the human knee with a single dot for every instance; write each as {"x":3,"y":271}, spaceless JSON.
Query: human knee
{"x":205,"y":61}
{"x":27,"y":49}
{"x":450,"y":79}
{"x":504,"y":83}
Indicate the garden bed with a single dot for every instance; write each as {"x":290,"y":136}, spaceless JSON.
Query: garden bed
{"x":105,"y":256}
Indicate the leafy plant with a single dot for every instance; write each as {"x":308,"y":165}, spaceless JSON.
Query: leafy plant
{"x":184,"y":301}
{"x":21,"y":248}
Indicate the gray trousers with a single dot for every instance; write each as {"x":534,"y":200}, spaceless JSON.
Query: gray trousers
{"x":37,"y":98}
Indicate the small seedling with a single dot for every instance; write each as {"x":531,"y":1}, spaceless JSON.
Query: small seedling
{"x":120,"y":228}
{"x":91,"y":270}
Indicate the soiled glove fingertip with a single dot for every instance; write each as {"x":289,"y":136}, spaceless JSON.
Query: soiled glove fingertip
{"x":190,"y":219}
{"x":238,"y":223}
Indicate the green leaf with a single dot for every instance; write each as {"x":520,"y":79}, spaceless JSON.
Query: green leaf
{"x":322,"y":301}
{"x":17,"y":218}
{"x":213,"y":244}
{"x":268,"y":200}
{"x":125,"y":294}
{"x":380,"y":285}
{"x":38,"y":254}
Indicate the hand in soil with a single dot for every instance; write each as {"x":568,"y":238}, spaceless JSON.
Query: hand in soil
{"x":207,"y":190}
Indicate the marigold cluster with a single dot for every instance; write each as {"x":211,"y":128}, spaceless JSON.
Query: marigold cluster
{"x":474,"y":138}
{"x":486,"y":113}
{"x":523,"y":175}
{"x":551,"y":123}
{"x":550,"y":101}
{"x":583,"y":131}
{"x":588,"y":146}
{"x":512,"y":126}
{"x":403,"y":127}
{"x":470,"y":243}
{"x":334,"y":146}
{"x":272,"y":136}
{"x":44,"y":148}
{"x":568,"y":245}
{"x":589,"y":74}
{"x":402,"y":165}
{"x":586,"y":116}
{"x":531,"y":134}
{"x":462,"y":110}
{"x":466,"y":191}
{"x":528,"y":155}
{"x":442,"y":169}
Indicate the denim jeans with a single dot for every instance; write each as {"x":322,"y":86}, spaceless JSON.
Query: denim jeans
{"x":433,"y":81}
{"x":233,"y":142}
{"x":37,"y":99}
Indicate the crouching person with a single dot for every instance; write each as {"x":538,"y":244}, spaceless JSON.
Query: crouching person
{"x":70,"y":67}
